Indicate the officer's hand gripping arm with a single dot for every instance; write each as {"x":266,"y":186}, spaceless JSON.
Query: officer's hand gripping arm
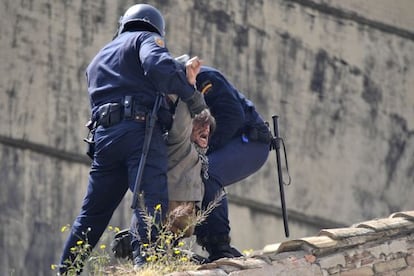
{"x":196,"y":103}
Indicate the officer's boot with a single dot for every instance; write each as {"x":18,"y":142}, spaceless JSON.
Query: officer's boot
{"x":218,"y":247}
{"x":138,"y":258}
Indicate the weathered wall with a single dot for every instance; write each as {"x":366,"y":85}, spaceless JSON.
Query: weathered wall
{"x":339,"y":75}
{"x":396,"y":14}
{"x":343,"y":88}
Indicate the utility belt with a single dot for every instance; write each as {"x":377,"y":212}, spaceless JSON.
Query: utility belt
{"x":111,"y":114}
{"x":259,"y":132}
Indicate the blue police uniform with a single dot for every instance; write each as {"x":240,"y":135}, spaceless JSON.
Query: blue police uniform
{"x":238,"y":148}
{"x":137,"y":64}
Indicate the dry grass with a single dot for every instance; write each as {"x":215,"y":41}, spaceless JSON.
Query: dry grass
{"x":167,"y":254}
{"x":153,"y":269}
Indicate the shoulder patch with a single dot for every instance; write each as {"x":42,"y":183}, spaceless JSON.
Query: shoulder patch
{"x":206,"y":86}
{"x":159,"y":41}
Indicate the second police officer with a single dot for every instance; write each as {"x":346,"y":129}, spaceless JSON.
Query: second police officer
{"x":238,"y":147}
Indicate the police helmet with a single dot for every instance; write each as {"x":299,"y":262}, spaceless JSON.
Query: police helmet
{"x":144,"y":14}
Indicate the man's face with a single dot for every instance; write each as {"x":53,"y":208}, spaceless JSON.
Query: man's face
{"x":200,"y":133}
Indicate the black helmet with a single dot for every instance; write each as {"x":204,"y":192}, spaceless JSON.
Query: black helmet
{"x":143,"y":13}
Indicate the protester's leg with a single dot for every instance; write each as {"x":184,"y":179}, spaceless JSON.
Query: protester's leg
{"x":154,"y":188}
{"x":237,"y":160}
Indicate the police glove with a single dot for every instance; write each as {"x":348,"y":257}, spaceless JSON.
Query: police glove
{"x":196,"y":103}
{"x":121,"y":245}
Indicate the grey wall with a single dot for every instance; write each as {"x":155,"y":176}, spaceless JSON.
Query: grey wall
{"x":340,"y":75}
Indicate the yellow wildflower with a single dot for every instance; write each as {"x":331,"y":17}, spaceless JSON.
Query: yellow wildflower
{"x":158,"y":207}
{"x":53,"y":266}
{"x":151,"y":258}
{"x":103,"y":246}
{"x":79,"y":242}
{"x":247,"y":252}
{"x":64,"y":228}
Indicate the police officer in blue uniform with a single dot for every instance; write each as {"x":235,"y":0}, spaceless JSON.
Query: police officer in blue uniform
{"x":238,"y":147}
{"x":124,"y":79}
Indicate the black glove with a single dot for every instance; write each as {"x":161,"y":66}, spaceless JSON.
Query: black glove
{"x":196,"y":103}
{"x":259,"y":132}
{"x":121,"y":245}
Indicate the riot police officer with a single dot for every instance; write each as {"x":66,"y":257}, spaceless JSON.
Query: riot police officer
{"x":238,"y":147}
{"x":123,"y":80}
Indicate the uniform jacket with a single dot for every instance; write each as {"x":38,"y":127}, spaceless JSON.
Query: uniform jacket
{"x":135,"y":63}
{"x":232,"y":111}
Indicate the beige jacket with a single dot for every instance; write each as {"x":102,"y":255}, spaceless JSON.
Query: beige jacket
{"x":184,"y":165}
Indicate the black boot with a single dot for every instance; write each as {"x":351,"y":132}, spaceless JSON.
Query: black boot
{"x":218,"y":247}
{"x":121,"y":245}
{"x":138,"y":258}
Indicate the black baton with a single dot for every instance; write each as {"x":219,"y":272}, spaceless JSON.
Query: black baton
{"x":147,"y":140}
{"x":276,"y":146}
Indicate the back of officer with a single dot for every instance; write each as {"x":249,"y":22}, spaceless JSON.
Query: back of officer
{"x":238,"y":148}
{"x":124,"y":79}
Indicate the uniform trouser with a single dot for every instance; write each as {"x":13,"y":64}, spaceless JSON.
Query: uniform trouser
{"x":227,"y":165}
{"x":113,"y":171}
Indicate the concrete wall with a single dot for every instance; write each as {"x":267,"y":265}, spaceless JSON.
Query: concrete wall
{"x":340,"y":75}
{"x":342,"y":83}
